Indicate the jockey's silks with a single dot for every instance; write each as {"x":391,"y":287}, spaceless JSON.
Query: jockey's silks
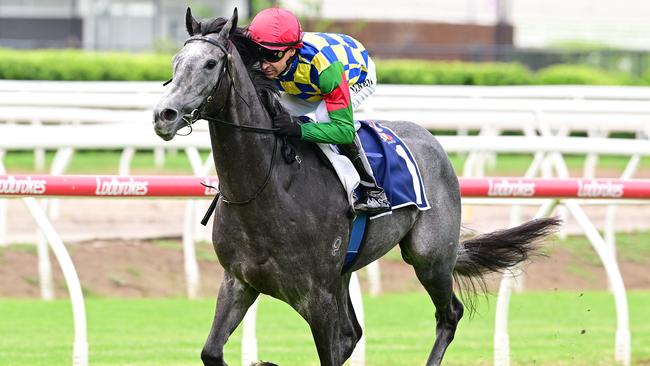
{"x":336,"y":94}
{"x":326,"y":66}
{"x":319,"y":51}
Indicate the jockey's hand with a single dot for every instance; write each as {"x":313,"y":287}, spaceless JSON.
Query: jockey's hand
{"x":287,"y":125}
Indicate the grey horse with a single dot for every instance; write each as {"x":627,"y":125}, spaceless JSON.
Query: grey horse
{"x":279,"y":226}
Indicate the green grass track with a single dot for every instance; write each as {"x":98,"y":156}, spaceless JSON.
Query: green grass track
{"x":551,"y":328}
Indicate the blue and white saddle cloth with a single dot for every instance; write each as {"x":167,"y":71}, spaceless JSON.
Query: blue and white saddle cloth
{"x":392,"y":163}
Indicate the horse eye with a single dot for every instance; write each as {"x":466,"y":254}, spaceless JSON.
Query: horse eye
{"x":210,"y":64}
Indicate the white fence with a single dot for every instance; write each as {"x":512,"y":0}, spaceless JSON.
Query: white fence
{"x":452,"y":107}
{"x":597,"y":111}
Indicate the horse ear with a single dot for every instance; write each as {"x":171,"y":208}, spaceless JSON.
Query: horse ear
{"x":235,"y":17}
{"x":230,"y":26}
{"x":193,"y":27}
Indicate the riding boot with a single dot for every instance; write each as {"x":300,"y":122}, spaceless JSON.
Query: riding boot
{"x":373,"y":198}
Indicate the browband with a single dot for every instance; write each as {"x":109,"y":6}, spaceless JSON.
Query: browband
{"x":207,"y":39}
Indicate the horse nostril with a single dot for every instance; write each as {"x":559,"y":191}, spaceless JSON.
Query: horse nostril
{"x":168,"y":115}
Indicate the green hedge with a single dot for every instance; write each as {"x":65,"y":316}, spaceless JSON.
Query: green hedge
{"x":451,"y":73}
{"x":578,"y":74}
{"x":79,"y":65}
{"x":645,"y":79}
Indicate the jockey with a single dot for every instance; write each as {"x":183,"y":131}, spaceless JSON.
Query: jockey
{"x":328,"y":74}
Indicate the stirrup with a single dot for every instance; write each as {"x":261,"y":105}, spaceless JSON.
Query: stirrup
{"x":373,"y":201}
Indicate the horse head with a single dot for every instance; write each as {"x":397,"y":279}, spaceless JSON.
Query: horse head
{"x":198,"y":70}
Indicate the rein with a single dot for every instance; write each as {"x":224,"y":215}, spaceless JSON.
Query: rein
{"x":199,"y":113}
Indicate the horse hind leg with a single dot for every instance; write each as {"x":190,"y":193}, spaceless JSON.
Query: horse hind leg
{"x":449,"y":310}
{"x":432,"y":254}
{"x":235,"y":297}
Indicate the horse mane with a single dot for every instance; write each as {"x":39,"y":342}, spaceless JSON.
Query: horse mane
{"x":248,"y":51}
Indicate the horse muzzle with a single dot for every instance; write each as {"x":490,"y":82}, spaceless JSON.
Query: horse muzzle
{"x":166,"y":122}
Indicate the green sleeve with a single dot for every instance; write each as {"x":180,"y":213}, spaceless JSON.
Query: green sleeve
{"x":336,"y":95}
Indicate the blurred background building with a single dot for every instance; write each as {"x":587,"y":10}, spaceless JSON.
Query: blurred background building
{"x":533,"y":32}
{"x":133,"y":25}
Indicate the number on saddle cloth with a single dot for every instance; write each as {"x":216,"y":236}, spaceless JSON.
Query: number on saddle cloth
{"x":393,"y":166}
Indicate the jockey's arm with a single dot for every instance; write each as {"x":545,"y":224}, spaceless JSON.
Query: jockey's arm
{"x":336,"y":95}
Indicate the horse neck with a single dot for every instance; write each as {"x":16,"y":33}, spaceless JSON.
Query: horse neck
{"x":242,"y":158}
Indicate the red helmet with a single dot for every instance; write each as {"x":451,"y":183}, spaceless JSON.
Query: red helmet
{"x":276,"y":29}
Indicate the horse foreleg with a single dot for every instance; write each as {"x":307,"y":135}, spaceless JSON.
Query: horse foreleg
{"x":322,"y":314}
{"x":351,"y":330}
{"x":235,"y":297}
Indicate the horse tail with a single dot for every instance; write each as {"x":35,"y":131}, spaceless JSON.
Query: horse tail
{"x":497,"y":251}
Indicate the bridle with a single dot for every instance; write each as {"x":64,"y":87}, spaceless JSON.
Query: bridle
{"x":199,"y":113}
